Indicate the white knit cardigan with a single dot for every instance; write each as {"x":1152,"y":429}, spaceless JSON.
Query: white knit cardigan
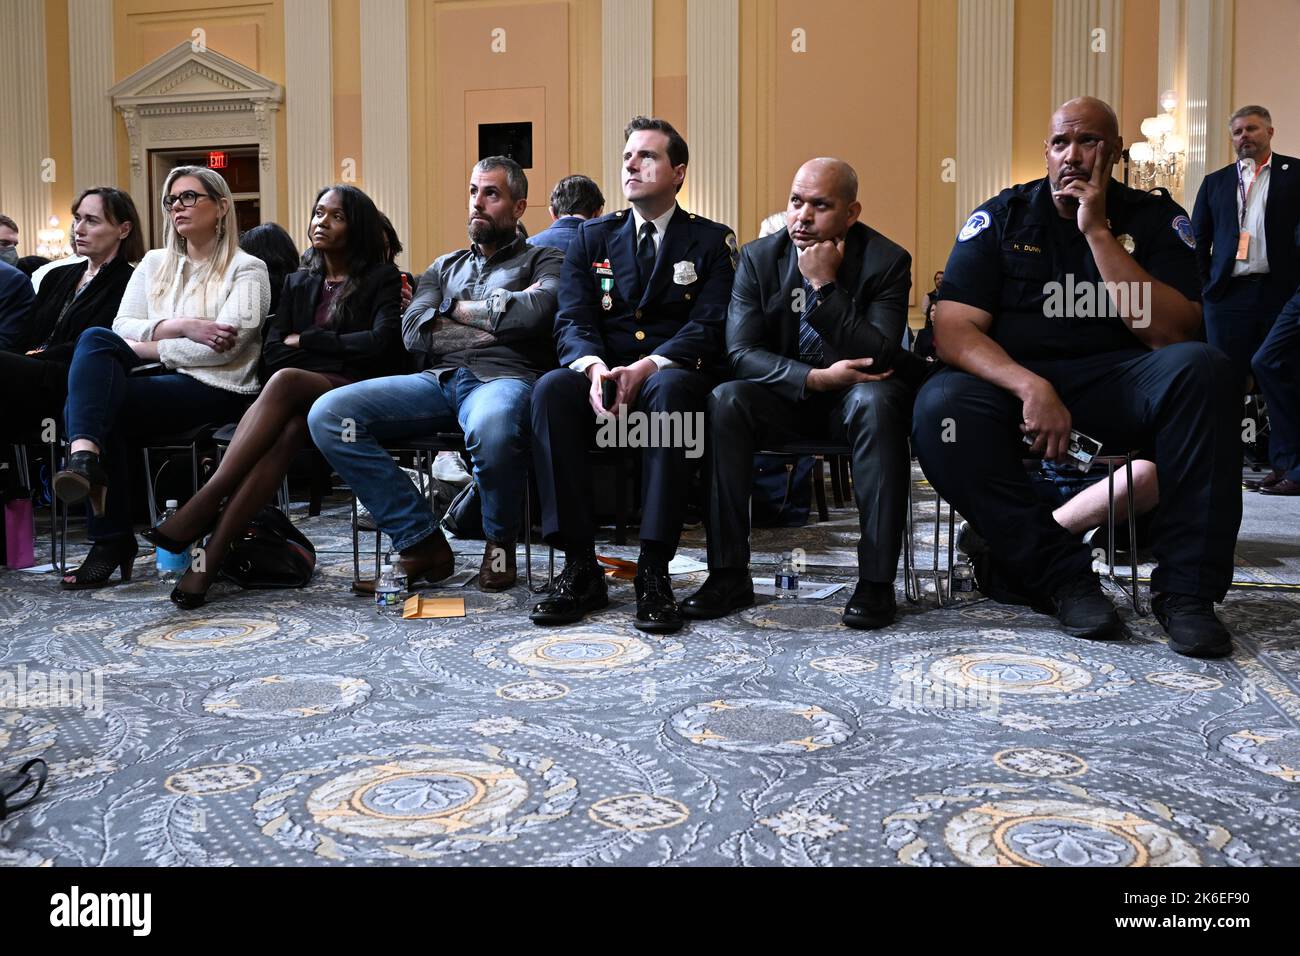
{"x":239,"y":300}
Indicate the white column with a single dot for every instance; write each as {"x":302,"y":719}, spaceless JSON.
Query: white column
{"x":985,"y":54}
{"x":1087,"y":50}
{"x":713,"y":107}
{"x":309,"y":108}
{"x":1196,"y":63}
{"x":1207,"y":38}
{"x":627,"y":83}
{"x":385,"y":152}
{"x":90,"y":59}
{"x":25,"y":163}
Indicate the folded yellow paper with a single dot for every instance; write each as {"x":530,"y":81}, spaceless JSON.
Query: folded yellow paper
{"x":422,"y":607}
{"x":618,"y":568}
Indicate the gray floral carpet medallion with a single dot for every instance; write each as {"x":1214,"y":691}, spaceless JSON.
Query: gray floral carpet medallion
{"x":302,"y":728}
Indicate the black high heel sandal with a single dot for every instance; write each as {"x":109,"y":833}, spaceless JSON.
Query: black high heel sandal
{"x":188,"y":600}
{"x":105,"y":557}
{"x":83,"y":478}
{"x":168,"y":543}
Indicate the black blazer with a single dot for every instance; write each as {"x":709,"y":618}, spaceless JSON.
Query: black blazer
{"x":678,"y":314}
{"x":96,"y":307}
{"x":1216,"y":225}
{"x":863,"y":318}
{"x":366,"y":340}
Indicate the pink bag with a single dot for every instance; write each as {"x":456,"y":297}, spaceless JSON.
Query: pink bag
{"x":20,"y":533}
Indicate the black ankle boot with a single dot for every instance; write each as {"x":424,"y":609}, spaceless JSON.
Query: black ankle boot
{"x":83,"y":478}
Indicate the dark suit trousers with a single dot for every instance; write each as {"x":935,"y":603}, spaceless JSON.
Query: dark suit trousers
{"x":1239,"y":321}
{"x":1277,"y":370}
{"x":31,"y":390}
{"x":1181,"y":400}
{"x":871,"y":417}
{"x":564,"y":432}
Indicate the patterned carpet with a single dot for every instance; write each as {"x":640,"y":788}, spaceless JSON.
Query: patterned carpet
{"x":299,"y":728}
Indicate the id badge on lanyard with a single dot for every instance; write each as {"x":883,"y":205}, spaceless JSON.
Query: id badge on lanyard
{"x":1243,"y":235}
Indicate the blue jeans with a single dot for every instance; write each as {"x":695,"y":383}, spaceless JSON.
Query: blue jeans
{"x":493,"y":415}
{"x":116,"y":411}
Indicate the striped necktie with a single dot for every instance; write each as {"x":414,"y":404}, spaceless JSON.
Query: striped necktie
{"x":811,"y":350}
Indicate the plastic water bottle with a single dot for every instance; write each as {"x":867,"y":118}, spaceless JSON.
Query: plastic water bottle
{"x":170,"y":564}
{"x":388,"y":592}
{"x":787,"y":578}
{"x":963,"y":576}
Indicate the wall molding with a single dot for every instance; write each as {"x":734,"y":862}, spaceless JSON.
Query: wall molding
{"x":985,"y":61}
{"x":309,"y":113}
{"x":713,"y":107}
{"x":24,"y":119}
{"x":1078,"y":70}
{"x":90,"y":62}
{"x":627,"y":84}
{"x":385,"y":135}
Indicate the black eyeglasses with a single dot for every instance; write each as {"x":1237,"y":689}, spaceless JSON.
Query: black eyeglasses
{"x":186,"y":199}
{"x":14,"y":787}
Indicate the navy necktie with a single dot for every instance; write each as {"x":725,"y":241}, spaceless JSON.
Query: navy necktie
{"x":811,"y":350}
{"x":645,"y":253}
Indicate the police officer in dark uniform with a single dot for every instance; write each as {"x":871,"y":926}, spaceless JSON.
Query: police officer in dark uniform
{"x":1037,"y":344}
{"x":642,"y":306}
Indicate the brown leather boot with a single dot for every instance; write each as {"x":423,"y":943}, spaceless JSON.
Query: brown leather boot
{"x":497,"y":572}
{"x":429,"y":562}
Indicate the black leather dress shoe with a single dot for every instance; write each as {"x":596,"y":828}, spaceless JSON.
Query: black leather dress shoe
{"x":579,"y":590}
{"x":1284,"y":487}
{"x":872,"y":606}
{"x":719,"y":595}
{"x":1268,"y":481}
{"x":656,"y":609}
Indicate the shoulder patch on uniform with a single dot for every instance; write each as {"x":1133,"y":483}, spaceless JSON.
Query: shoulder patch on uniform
{"x":1183,"y":226}
{"x":979,"y":221}
{"x":734,"y":249}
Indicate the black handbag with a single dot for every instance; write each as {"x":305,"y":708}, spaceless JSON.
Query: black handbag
{"x":464,"y":517}
{"x":271,"y":554}
{"x":21,"y":788}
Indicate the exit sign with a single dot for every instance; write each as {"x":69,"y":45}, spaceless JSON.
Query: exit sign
{"x":216,"y":160}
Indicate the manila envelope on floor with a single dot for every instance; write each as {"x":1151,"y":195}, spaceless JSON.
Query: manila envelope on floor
{"x":417,"y":607}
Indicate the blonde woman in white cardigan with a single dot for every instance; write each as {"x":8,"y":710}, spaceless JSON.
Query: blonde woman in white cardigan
{"x":197,"y":306}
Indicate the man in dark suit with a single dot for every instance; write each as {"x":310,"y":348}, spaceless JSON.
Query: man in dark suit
{"x":1247,"y":227}
{"x":814,"y":335}
{"x":16,"y":299}
{"x":642,"y":301}
{"x":574,"y":200}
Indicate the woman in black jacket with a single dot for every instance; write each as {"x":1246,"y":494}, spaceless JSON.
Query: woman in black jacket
{"x":338,"y":322}
{"x":72,"y":298}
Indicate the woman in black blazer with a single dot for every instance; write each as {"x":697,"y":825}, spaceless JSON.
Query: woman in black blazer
{"x":338,"y":322}
{"x":72,"y":298}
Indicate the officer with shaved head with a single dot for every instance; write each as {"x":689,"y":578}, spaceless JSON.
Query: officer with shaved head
{"x":1072,"y":303}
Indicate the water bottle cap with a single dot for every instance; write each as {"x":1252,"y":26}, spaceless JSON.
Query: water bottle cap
{"x":173,"y":503}
{"x":386,"y":569}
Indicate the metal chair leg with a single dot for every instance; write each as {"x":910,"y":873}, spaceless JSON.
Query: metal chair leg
{"x":356,"y":543}
{"x":837,"y":485}
{"x":1132,"y":537}
{"x":148,"y":488}
{"x":819,"y":487}
{"x":528,"y":536}
{"x":911,"y":590}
